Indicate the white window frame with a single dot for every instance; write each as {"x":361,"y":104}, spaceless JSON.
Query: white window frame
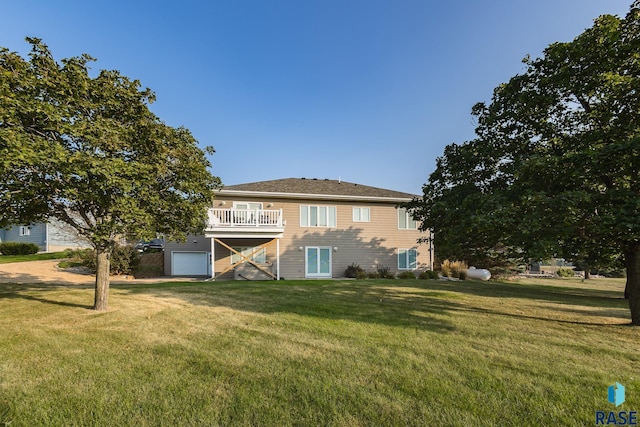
{"x":406,"y":253}
{"x":318,"y":274}
{"x":259,"y":257}
{"x":322,"y":215}
{"x":358,"y":214}
{"x":24,"y":231}
{"x":408,"y":221}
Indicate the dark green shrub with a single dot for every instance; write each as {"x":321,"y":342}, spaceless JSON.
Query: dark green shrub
{"x":123,"y":260}
{"x":428,"y":275}
{"x":385,"y":273}
{"x":87,"y":258}
{"x":618,"y":274}
{"x":353,"y":271}
{"x":19,"y":248}
{"x":406,"y":275}
{"x":462,"y":274}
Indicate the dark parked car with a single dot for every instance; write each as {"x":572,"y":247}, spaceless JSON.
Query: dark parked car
{"x":155,"y":245}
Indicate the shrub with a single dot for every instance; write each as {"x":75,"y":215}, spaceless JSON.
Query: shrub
{"x":87,"y":258}
{"x":445,"y":270}
{"x":19,"y":248}
{"x":565,"y":272}
{"x":373,"y":275}
{"x":77,"y":254}
{"x":385,"y":273}
{"x":406,"y":275}
{"x":428,"y":275}
{"x":123,"y":260}
{"x":462,"y":274}
{"x":619,"y":274}
{"x":353,"y":271}
{"x":453,"y":268}
{"x":70,"y":264}
{"x":504,"y":272}
{"x":361,"y":274}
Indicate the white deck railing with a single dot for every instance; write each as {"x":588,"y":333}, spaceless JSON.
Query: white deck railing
{"x":244,"y":218}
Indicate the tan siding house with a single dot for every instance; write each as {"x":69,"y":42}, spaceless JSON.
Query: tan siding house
{"x":301,"y":228}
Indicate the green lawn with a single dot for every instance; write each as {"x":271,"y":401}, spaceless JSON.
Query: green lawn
{"x":5,"y":259}
{"x":317,"y":353}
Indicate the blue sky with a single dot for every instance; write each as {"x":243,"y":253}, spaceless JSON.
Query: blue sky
{"x":368,"y":91}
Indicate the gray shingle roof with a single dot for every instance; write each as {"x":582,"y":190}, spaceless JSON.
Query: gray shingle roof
{"x":324,"y":187}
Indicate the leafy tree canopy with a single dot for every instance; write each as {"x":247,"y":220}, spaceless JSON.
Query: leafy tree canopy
{"x":554,"y":170}
{"x":89,"y":152}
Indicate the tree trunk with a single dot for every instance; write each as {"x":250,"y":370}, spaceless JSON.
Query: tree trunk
{"x":103,"y":257}
{"x":626,"y":289}
{"x":587,"y":274}
{"x":632,"y":261}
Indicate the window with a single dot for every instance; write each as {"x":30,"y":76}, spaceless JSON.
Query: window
{"x":361,"y":215}
{"x":258,"y":257}
{"x":405,"y":222}
{"x":24,"y":230}
{"x":407,"y":259}
{"x":317,"y":216}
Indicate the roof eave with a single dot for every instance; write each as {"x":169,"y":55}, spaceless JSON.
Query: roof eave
{"x":337,"y":197}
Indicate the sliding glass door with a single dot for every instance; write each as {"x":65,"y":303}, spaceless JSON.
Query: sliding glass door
{"x":318,"y":261}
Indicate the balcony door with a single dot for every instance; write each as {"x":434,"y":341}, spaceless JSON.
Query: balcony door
{"x":252,"y":206}
{"x":246,"y":212}
{"x":317,"y":261}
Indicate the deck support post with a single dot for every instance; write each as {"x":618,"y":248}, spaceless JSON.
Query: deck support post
{"x":213,"y":259}
{"x":278,"y":259}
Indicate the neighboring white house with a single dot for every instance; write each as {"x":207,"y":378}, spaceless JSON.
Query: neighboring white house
{"x":50,"y":236}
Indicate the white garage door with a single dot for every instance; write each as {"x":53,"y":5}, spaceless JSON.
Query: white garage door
{"x":190,"y":264}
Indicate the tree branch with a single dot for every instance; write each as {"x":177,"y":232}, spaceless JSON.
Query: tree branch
{"x":584,"y":103}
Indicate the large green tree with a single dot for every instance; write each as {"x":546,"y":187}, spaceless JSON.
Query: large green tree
{"x":89,"y":152}
{"x":554,"y":170}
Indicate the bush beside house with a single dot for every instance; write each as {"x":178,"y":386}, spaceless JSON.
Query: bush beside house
{"x":18,"y":248}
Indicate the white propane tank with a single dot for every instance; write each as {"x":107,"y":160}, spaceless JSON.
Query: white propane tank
{"x":478,"y":273}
